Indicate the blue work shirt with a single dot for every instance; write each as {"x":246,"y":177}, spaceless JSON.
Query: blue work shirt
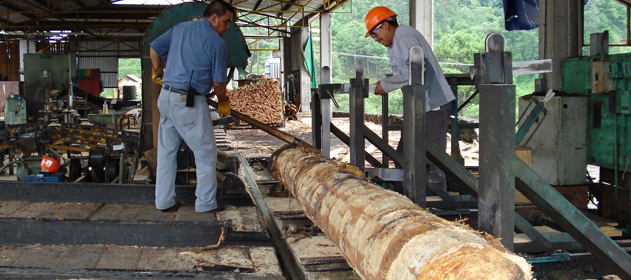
{"x":188,"y":46}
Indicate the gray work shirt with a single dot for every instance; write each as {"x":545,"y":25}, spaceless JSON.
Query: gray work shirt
{"x":405,"y":37}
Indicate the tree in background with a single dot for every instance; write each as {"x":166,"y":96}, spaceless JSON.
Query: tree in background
{"x":459,"y":31}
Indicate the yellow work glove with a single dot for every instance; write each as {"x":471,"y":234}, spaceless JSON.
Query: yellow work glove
{"x":224,"y":108}
{"x":156,"y":75}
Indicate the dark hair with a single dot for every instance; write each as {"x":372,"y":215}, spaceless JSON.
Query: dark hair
{"x":392,"y":21}
{"x":218,"y":7}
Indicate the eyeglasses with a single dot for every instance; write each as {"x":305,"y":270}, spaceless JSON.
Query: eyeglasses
{"x":375,"y":31}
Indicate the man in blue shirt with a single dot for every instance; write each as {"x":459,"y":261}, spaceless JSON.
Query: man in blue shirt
{"x":196,"y":59}
{"x":382,"y":26}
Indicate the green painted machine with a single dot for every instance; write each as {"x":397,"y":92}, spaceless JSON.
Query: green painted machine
{"x":43,"y":73}
{"x":605,"y":80}
{"x":15,"y":111}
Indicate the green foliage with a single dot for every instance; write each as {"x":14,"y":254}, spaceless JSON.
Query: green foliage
{"x":129,"y":66}
{"x":459,"y":31}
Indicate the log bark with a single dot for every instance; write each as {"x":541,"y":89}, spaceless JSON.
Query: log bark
{"x":384,"y":235}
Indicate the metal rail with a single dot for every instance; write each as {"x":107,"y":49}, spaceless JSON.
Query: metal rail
{"x":289,"y":263}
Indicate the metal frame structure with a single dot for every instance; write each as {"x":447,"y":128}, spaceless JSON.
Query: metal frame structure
{"x":501,"y":171}
{"x":107,"y":21}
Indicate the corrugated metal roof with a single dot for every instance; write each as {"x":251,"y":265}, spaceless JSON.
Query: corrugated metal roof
{"x":107,"y":65}
{"x":127,"y":20}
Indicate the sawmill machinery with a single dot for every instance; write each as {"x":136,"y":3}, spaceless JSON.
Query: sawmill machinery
{"x":90,"y":153}
{"x":501,"y":172}
{"x":46,"y":77}
{"x":589,"y":124}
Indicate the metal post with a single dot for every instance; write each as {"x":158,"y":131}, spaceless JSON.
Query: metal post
{"x":326,"y":58}
{"x":316,"y":120}
{"x":385,"y":128}
{"x":327,"y":114}
{"x":496,"y":197}
{"x":455,"y":128}
{"x":414,"y":170}
{"x":357,"y":94}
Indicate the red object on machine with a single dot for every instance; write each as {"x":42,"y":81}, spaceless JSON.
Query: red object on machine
{"x":89,"y":80}
{"x":49,"y":165}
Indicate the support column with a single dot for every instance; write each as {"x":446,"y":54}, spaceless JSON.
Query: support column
{"x":422,"y":18}
{"x":496,"y":195}
{"x":414,"y":169}
{"x":326,"y":61}
{"x":295,"y":68}
{"x":356,"y":103}
{"x":559,"y":36}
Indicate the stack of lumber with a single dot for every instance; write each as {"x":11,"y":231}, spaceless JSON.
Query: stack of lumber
{"x":261,"y":101}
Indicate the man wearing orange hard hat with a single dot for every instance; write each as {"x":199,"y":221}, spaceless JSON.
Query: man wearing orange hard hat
{"x":382,"y":26}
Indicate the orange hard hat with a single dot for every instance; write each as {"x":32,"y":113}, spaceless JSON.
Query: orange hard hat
{"x":49,"y":165}
{"x":377,"y":15}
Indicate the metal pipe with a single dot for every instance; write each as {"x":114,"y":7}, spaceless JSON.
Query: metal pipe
{"x":383,"y":234}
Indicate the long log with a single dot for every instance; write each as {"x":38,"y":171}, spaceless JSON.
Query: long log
{"x":384,"y":235}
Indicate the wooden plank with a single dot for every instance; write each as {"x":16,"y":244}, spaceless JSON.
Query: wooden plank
{"x":7,"y":208}
{"x":251,"y":219}
{"x":283,"y":204}
{"x":107,"y":212}
{"x":265,"y":260}
{"x":193,"y":256}
{"x":36,"y":210}
{"x":187,"y":213}
{"x":45,"y":256}
{"x":241,"y":218}
{"x":8,"y":254}
{"x":236,"y":257}
{"x":313,"y":246}
{"x":162,"y":259}
{"x":76,"y":210}
{"x":129,"y":212}
{"x":150,"y":213}
{"x":82,"y":257}
{"x":119,"y":257}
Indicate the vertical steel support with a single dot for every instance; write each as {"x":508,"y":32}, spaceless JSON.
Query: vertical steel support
{"x":358,"y":92}
{"x":327,"y":114}
{"x":316,"y":120}
{"x":326,"y":61}
{"x":414,"y":170}
{"x":455,"y":128}
{"x":496,"y":198}
{"x":385,"y":127}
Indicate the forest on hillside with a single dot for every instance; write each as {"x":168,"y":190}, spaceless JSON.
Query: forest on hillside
{"x":460,"y":27}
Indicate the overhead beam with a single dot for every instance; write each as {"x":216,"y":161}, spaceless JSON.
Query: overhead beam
{"x":17,"y":10}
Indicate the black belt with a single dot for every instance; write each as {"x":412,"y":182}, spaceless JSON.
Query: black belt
{"x":177,"y":90}
{"x":174,"y":90}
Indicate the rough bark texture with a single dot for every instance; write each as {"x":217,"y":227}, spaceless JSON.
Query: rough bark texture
{"x":384,"y":235}
{"x":261,"y":101}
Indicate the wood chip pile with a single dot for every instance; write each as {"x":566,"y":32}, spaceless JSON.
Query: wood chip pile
{"x":260,"y":101}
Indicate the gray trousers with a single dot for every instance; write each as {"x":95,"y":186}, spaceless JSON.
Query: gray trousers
{"x":436,"y":123}
{"x":194,"y":126}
